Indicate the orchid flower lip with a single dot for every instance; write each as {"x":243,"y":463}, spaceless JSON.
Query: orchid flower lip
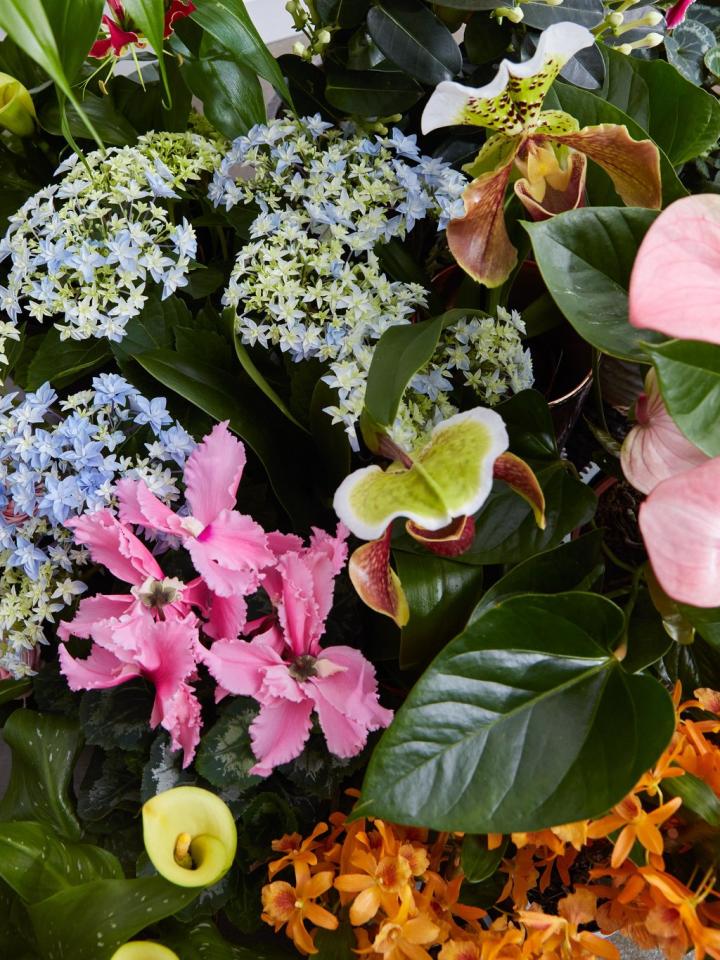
{"x":563,"y":40}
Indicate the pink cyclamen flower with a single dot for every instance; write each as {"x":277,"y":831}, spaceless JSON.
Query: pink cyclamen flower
{"x":288,"y":673}
{"x":680,"y":523}
{"x":676,"y":13}
{"x":228,"y":548}
{"x":655,"y":448}
{"x":166,"y":653}
{"x":675,"y":281}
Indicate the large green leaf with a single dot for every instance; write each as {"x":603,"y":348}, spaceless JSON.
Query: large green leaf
{"x":696,"y":795}
{"x":90,"y":921}
{"x":44,"y":750}
{"x":441,"y":594}
{"x":28,"y":24}
{"x":585,"y":257}
{"x":371,"y":93}
{"x":61,"y":362}
{"x":588,"y":13}
{"x":684,"y":118}
{"x":624,"y":87}
{"x":505,"y":528}
{"x":225,"y":756}
{"x":571,"y":566}
{"x":414,"y":39}
{"x":14,"y":689}
{"x":230,"y":92}
{"x":591,"y":109}
{"x":689,"y":376}
{"x":251,"y":417}
{"x":38,"y":865}
{"x":530,"y":428}
{"x":477,"y":861}
{"x":114,"y":128}
{"x":231,"y":25}
{"x":524,"y":721}
{"x":204,"y":942}
{"x":149,"y":16}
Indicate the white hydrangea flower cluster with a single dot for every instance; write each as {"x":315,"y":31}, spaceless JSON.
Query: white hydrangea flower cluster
{"x":85,"y":249}
{"x":484,"y":354}
{"x":55,"y":464}
{"x":309,"y":282}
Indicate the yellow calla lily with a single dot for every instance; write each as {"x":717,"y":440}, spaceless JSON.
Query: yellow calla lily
{"x":144,"y":950}
{"x":17,"y":111}
{"x":190,"y":836}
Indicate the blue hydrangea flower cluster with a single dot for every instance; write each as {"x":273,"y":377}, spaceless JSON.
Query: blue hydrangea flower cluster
{"x":58,"y":463}
{"x":85,"y":249}
{"x":309,"y":282}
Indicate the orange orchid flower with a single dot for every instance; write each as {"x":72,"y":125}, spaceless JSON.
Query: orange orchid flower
{"x":636,"y":824}
{"x":382,"y":884}
{"x":284,"y":904}
{"x":297,"y":852}
{"x":706,"y":940}
{"x":403,"y":939}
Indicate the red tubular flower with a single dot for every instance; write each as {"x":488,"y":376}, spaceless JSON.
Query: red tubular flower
{"x":120,"y":36}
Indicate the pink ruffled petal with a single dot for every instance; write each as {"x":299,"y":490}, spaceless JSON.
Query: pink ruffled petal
{"x":213,"y":472}
{"x":680,"y":523}
{"x":115,"y":547}
{"x":656,"y":449}
{"x":240,"y":666}
{"x":675,"y":282}
{"x":167,"y":653}
{"x":229,"y":553}
{"x":139,"y":505}
{"x":100,"y":670}
{"x":180,"y":715}
{"x":353,"y":689}
{"x":278,"y":734}
{"x":92,"y":610}
{"x":343,"y":735}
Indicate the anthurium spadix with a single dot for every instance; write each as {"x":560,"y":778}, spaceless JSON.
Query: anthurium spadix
{"x":189,"y":835}
{"x":542,"y":144}
{"x":144,"y":950}
{"x":437,"y":489}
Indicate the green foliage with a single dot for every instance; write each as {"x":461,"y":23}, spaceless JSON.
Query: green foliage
{"x":414,"y":40}
{"x":225,"y":757}
{"x":477,"y":861}
{"x":595,"y":727}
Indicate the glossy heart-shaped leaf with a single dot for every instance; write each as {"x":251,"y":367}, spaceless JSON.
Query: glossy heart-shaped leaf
{"x":524,"y":721}
{"x":688,"y":372}
{"x":585,"y":257}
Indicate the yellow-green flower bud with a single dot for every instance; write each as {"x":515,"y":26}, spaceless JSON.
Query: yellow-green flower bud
{"x":324,"y":38}
{"x":17,"y":112}
{"x":144,"y":950}
{"x":190,"y":836}
{"x":616,"y":19}
{"x":514,"y":14}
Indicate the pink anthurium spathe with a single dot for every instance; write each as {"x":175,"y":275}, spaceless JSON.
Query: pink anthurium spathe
{"x":680,"y":524}
{"x":542,"y":144}
{"x":655,"y":448}
{"x":675,"y":281}
{"x":228,"y":548}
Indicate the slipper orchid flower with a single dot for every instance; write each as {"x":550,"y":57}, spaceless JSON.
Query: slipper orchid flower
{"x":228,"y":548}
{"x":438,"y":488}
{"x":541,"y":143}
{"x":289,"y":674}
{"x":189,"y":835}
{"x":655,"y":448}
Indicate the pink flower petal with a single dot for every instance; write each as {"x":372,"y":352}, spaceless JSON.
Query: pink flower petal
{"x":352,"y":690}
{"x":181,"y":717}
{"x":656,"y":449}
{"x":139,"y":505}
{"x":115,"y":547}
{"x":240,"y":666}
{"x":676,"y":13}
{"x":213,"y":472}
{"x":343,"y":735}
{"x":229,"y":552}
{"x":278,"y":734}
{"x":680,"y":523}
{"x":675,"y":282}
{"x":100,"y":670}
{"x":92,"y":610}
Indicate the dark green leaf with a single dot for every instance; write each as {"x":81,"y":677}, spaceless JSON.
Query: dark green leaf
{"x":307,"y":86}
{"x":336,"y":944}
{"x":61,"y":362}
{"x":571,"y":566}
{"x":152,"y":329}
{"x":266,"y":817}
{"x":37,"y":865}
{"x":586,"y":69}
{"x":230,"y":91}
{"x":689,"y":377}
{"x":624,"y":86}
{"x":90,"y":921}
{"x":441,"y":594}
{"x":75,"y":25}
{"x":331,"y":441}
{"x":163,"y":769}
{"x":118,"y":718}
{"x":530,"y":428}
{"x":149,"y":17}
{"x":108,"y":782}
{"x":585,"y":257}
{"x":44,"y":751}
{"x":14,"y":689}
{"x":344,"y":13}
{"x":485,"y":39}
{"x":588,"y":13}
{"x":204,"y":942}
{"x":414,"y":40}
{"x":371,"y":93}
{"x":706,"y":621}
{"x":686,"y":47}
{"x":525,"y":720}
{"x":477,"y":862}
{"x":696,"y":795}
{"x":231,"y":25}
{"x":109,"y":123}
{"x":647,"y":639}
{"x":224,"y":757}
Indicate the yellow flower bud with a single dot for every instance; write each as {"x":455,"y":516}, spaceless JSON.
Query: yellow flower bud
{"x":190,"y":836}
{"x":616,"y":19}
{"x":143,"y":950}
{"x":324,"y":37}
{"x":514,"y":14}
{"x":17,"y":112}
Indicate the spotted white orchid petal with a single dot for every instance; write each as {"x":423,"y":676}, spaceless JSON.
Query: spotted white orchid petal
{"x":511,"y":101}
{"x":450,"y":476}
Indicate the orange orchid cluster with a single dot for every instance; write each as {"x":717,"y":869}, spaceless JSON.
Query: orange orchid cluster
{"x":401,"y":888}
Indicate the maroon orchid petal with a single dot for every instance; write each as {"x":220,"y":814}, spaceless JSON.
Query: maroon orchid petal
{"x":564,"y":192}
{"x":450,"y":541}
{"x":518,"y":475}
{"x":376,"y":582}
